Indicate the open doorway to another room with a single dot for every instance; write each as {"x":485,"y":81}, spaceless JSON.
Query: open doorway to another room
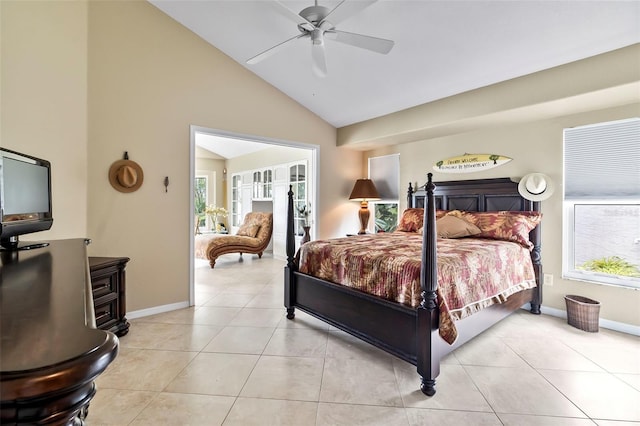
{"x":233,"y":174}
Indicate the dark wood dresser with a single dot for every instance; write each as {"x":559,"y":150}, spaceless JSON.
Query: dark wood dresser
{"x":51,"y":350}
{"x":109,"y":295}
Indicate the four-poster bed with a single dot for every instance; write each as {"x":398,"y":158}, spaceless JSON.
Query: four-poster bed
{"x":412,"y":332}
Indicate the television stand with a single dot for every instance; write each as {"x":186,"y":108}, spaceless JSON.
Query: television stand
{"x":13,"y":244}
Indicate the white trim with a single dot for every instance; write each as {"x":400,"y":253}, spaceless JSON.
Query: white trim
{"x":157,"y":310}
{"x":193,"y":129}
{"x":604,"y":323}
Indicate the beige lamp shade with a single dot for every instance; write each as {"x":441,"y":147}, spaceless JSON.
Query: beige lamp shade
{"x":363,"y":191}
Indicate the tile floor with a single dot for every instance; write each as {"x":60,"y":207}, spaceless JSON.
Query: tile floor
{"x":234,"y":359}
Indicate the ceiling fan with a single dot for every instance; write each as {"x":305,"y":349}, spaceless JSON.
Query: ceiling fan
{"x":317,"y":22}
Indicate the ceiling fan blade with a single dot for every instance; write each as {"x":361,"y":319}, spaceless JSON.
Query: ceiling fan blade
{"x":346,"y":9}
{"x":319,"y":60}
{"x":375,"y":44}
{"x":291,"y":15}
{"x":270,"y":51}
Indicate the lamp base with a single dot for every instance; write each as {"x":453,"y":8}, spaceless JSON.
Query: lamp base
{"x":363,"y":214}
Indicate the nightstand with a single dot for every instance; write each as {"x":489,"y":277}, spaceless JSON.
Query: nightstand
{"x":109,"y":296}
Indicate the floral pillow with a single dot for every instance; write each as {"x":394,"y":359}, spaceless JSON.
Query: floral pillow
{"x":411,"y":219}
{"x":502,"y":225}
{"x":248,"y":230}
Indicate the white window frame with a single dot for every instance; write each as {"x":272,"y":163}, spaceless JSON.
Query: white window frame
{"x":392,"y":164}
{"x":569,"y":270}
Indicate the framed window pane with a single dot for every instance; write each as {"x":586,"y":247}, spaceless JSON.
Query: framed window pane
{"x":602,"y":203}
{"x":200,"y":199}
{"x":606,"y":243}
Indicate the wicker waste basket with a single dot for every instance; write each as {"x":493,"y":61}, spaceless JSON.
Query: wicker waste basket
{"x":582,"y":312}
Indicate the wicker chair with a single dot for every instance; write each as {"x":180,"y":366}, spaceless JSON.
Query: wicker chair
{"x":253,"y":237}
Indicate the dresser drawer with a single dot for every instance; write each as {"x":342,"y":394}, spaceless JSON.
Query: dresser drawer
{"x":105,"y":284}
{"x":106,"y":313}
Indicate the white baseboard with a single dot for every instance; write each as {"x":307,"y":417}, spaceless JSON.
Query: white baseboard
{"x":157,"y":310}
{"x":604,"y":323}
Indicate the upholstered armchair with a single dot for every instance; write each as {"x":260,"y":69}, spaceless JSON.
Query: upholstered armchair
{"x":253,"y":237}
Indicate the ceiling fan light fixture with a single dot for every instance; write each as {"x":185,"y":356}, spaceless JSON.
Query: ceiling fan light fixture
{"x":316,"y":24}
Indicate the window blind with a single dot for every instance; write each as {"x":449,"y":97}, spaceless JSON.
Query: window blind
{"x":385,"y":174}
{"x":603,"y":160}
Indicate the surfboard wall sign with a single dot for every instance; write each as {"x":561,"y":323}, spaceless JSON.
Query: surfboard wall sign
{"x":468,"y":163}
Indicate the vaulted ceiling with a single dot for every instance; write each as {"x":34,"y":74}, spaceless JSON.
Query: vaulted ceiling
{"x":442,"y":48}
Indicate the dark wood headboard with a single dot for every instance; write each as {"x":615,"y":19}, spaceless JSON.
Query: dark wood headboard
{"x":483,"y":195}
{"x":479,"y":195}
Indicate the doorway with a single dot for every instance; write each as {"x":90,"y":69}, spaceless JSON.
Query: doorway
{"x":234,"y":145}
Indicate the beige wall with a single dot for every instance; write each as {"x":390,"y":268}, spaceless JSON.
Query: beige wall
{"x":534,"y":147}
{"x":84,"y":82}
{"x":43,"y":95}
{"x":149,"y":80}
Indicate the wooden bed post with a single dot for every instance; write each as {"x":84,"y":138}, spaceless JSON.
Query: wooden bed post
{"x":410,"y":196}
{"x":289,"y":290}
{"x":536,"y":258}
{"x":428,"y":361}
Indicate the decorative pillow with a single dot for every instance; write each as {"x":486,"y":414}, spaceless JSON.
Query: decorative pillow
{"x":503,"y":225}
{"x":248,"y":230}
{"x":455,"y":227}
{"x":411,"y":219}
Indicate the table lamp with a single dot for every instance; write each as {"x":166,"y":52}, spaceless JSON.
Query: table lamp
{"x":363,"y":191}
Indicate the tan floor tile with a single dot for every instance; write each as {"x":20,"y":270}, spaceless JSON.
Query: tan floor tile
{"x":117,"y":406}
{"x":612,"y":356}
{"x":520,"y":391}
{"x":420,"y":417}
{"x":214,"y":374}
{"x":488,"y":351}
{"x":240,"y":340}
{"x":267,"y":412}
{"x":615,"y":423}
{"x":179,"y":337}
{"x":144,"y":369}
{"x":631,"y":379}
{"x":599,"y":395}
{"x":454,"y":389}
{"x":257,"y":317}
{"x":297,"y":342}
{"x":230,"y":300}
{"x":360,"y":415}
{"x":285,"y":378}
{"x":185,"y":409}
{"x":523,"y":420}
{"x":211,"y":315}
{"x":555,"y":356}
{"x":267,"y":300}
{"x":360,"y":382}
{"x":179,"y":316}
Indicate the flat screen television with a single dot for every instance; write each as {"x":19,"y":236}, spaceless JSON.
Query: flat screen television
{"x":25,"y":199}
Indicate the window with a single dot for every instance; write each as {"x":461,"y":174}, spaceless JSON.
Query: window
{"x":602,"y":203}
{"x":236,"y":210}
{"x":200,"y":200}
{"x":298,"y":182}
{"x":385,"y":174}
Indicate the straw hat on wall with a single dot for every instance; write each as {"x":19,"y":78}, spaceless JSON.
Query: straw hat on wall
{"x":126,"y":175}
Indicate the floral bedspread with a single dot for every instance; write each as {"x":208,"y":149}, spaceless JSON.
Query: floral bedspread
{"x":473,"y":273}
